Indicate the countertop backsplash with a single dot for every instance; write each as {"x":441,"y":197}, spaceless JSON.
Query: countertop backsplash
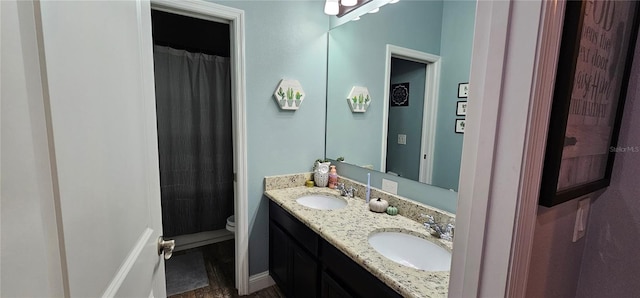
{"x":406,"y":207}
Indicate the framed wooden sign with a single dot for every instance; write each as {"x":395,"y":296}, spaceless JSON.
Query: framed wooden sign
{"x":596,"y":53}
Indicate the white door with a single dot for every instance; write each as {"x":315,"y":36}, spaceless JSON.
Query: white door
{"x":99,"y":73}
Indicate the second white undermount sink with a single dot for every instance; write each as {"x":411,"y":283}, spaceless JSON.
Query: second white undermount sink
{"x":322,"y":202}
{"x":411,"y":251}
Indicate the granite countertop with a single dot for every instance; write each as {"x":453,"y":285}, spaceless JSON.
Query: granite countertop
{"x":348,"y":230}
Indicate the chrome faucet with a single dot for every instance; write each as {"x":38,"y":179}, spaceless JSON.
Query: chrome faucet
{"x":346,"y":192}
{"x":441,"y":231}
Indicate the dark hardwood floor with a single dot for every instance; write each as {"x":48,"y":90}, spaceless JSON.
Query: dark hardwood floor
{"x":219,"y":261}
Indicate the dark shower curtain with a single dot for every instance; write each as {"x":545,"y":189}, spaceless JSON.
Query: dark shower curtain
{"x":193,"y":106}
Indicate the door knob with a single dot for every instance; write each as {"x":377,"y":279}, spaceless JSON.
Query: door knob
{"x":166,"y":247}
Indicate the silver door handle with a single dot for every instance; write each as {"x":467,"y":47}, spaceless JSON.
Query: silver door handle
{"x":166,"y":247}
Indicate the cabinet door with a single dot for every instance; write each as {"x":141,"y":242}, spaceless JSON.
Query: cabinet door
{"x":304,"y":273}
{"x":279,"y":251}
{"x":352,"y":276}
{"x":331,"y":288}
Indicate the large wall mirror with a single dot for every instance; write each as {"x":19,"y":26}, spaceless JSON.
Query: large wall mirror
{"x":416,"y":53}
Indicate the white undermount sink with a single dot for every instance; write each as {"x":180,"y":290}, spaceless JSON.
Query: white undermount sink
{"x":322,"y":202}
{"x":411,"y":251}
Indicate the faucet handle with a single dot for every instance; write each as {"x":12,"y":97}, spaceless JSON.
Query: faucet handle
{"x":450,"y":229}
{"x":352,"y":191}
{"x":429,"y":218}
{"x":448,"y":233}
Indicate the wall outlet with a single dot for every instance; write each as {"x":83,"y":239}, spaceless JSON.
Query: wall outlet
{"x":580,"y":227}
{"x":390,"y":186}
{"x":402,"y":139}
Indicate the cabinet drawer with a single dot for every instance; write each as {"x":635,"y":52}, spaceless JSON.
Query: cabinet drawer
{"x":352,"y":276}
{"x":304,"y":236}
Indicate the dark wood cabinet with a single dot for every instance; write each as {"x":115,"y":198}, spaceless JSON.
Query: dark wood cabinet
{"x":351,"y":276}
{"x":305,"y":265}
{"x":279,"y":251}
{"x":304,"y":272}
{"x":330,"y":288}
{"x":292,"y":265}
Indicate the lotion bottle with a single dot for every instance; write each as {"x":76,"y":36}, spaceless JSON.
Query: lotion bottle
{"x":333,"y":177}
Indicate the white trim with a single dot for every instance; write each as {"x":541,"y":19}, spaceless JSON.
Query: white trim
{"x":44,"y":79}
{"x":429,"y":118}
{"x":235,"y":18}
{"x":531,"y":173}
{"x":184,"y":242}
{"x":499,"y":150}
{"x":485,"y":82}
{"x":260,"y":281}
{"x":429,"y":122}
{"x":128,"y":263}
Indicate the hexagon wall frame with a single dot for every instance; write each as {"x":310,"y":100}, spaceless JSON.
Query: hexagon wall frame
{"x":289,"y":94}
{"x":359,"y":99}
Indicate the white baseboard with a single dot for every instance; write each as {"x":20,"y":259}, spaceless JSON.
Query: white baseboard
{"x":201,"y":239}
{"x":260,"y":281}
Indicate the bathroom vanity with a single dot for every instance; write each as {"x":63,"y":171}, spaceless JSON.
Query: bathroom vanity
{"x":326,"y":253}
{"x":303,"y":264}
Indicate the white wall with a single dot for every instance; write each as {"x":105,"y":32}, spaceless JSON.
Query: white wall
{"x":605,"y":262}
{"x":611,"y":263}
{"x":284,"y":40}
{"x":29,"y":253}
{"x":555,"y":259}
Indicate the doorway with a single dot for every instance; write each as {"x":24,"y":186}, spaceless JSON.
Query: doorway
{"x":206,"y":36}
{"x":193,"y":112}
{"x":409,"y":152}
{"x":406,"y":108}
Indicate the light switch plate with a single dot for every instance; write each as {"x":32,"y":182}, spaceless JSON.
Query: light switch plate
{"x":390,"y":186}
{"x":402,"y":139}
{"x":582,"y":214}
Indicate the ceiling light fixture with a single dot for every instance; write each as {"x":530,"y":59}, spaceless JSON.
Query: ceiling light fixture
{"x":331,"y":7}
{"x":348,"y":2}
{"x":375,"y":10}
{"x":393,"y":1}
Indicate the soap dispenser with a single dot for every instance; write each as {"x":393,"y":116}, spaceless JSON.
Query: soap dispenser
{"x":333,"y":177}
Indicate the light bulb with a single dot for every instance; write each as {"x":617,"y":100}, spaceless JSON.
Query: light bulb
{"x":348,"y":2}
{"x":356,"y":19}
{"x":375,"y":10}
{"x":331,"y":7}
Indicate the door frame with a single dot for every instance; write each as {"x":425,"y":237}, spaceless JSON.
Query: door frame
{"x":235,"y":18}
{"x":512,"y":76}
{"x":429,"y":115}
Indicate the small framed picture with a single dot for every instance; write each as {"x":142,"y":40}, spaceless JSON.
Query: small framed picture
{"x":461,"y":108}
{"x":399,"y":96}
{"x":463,"y":90}
{"x":460,"y":125}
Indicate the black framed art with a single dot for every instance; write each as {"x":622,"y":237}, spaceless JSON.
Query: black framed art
{"x":463,"y":90}
{"x":461,"y":108}
{"x":399,"y":95}
{"x":596,"y":52}
{"x":460,"y":124}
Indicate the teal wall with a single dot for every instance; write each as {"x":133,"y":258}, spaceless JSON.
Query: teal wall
{"x":457,"y":40}
{"x":361,"y":61}
{"x":284,"y":39}
{"x":288,"y":39}
{"x":404,"y":159}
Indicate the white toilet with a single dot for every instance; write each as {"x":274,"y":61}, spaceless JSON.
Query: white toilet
{"x":231,"y":224}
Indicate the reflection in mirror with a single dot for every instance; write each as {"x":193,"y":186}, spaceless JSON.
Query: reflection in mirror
{"x":358,"y":57}
{"x":405,"y":114}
